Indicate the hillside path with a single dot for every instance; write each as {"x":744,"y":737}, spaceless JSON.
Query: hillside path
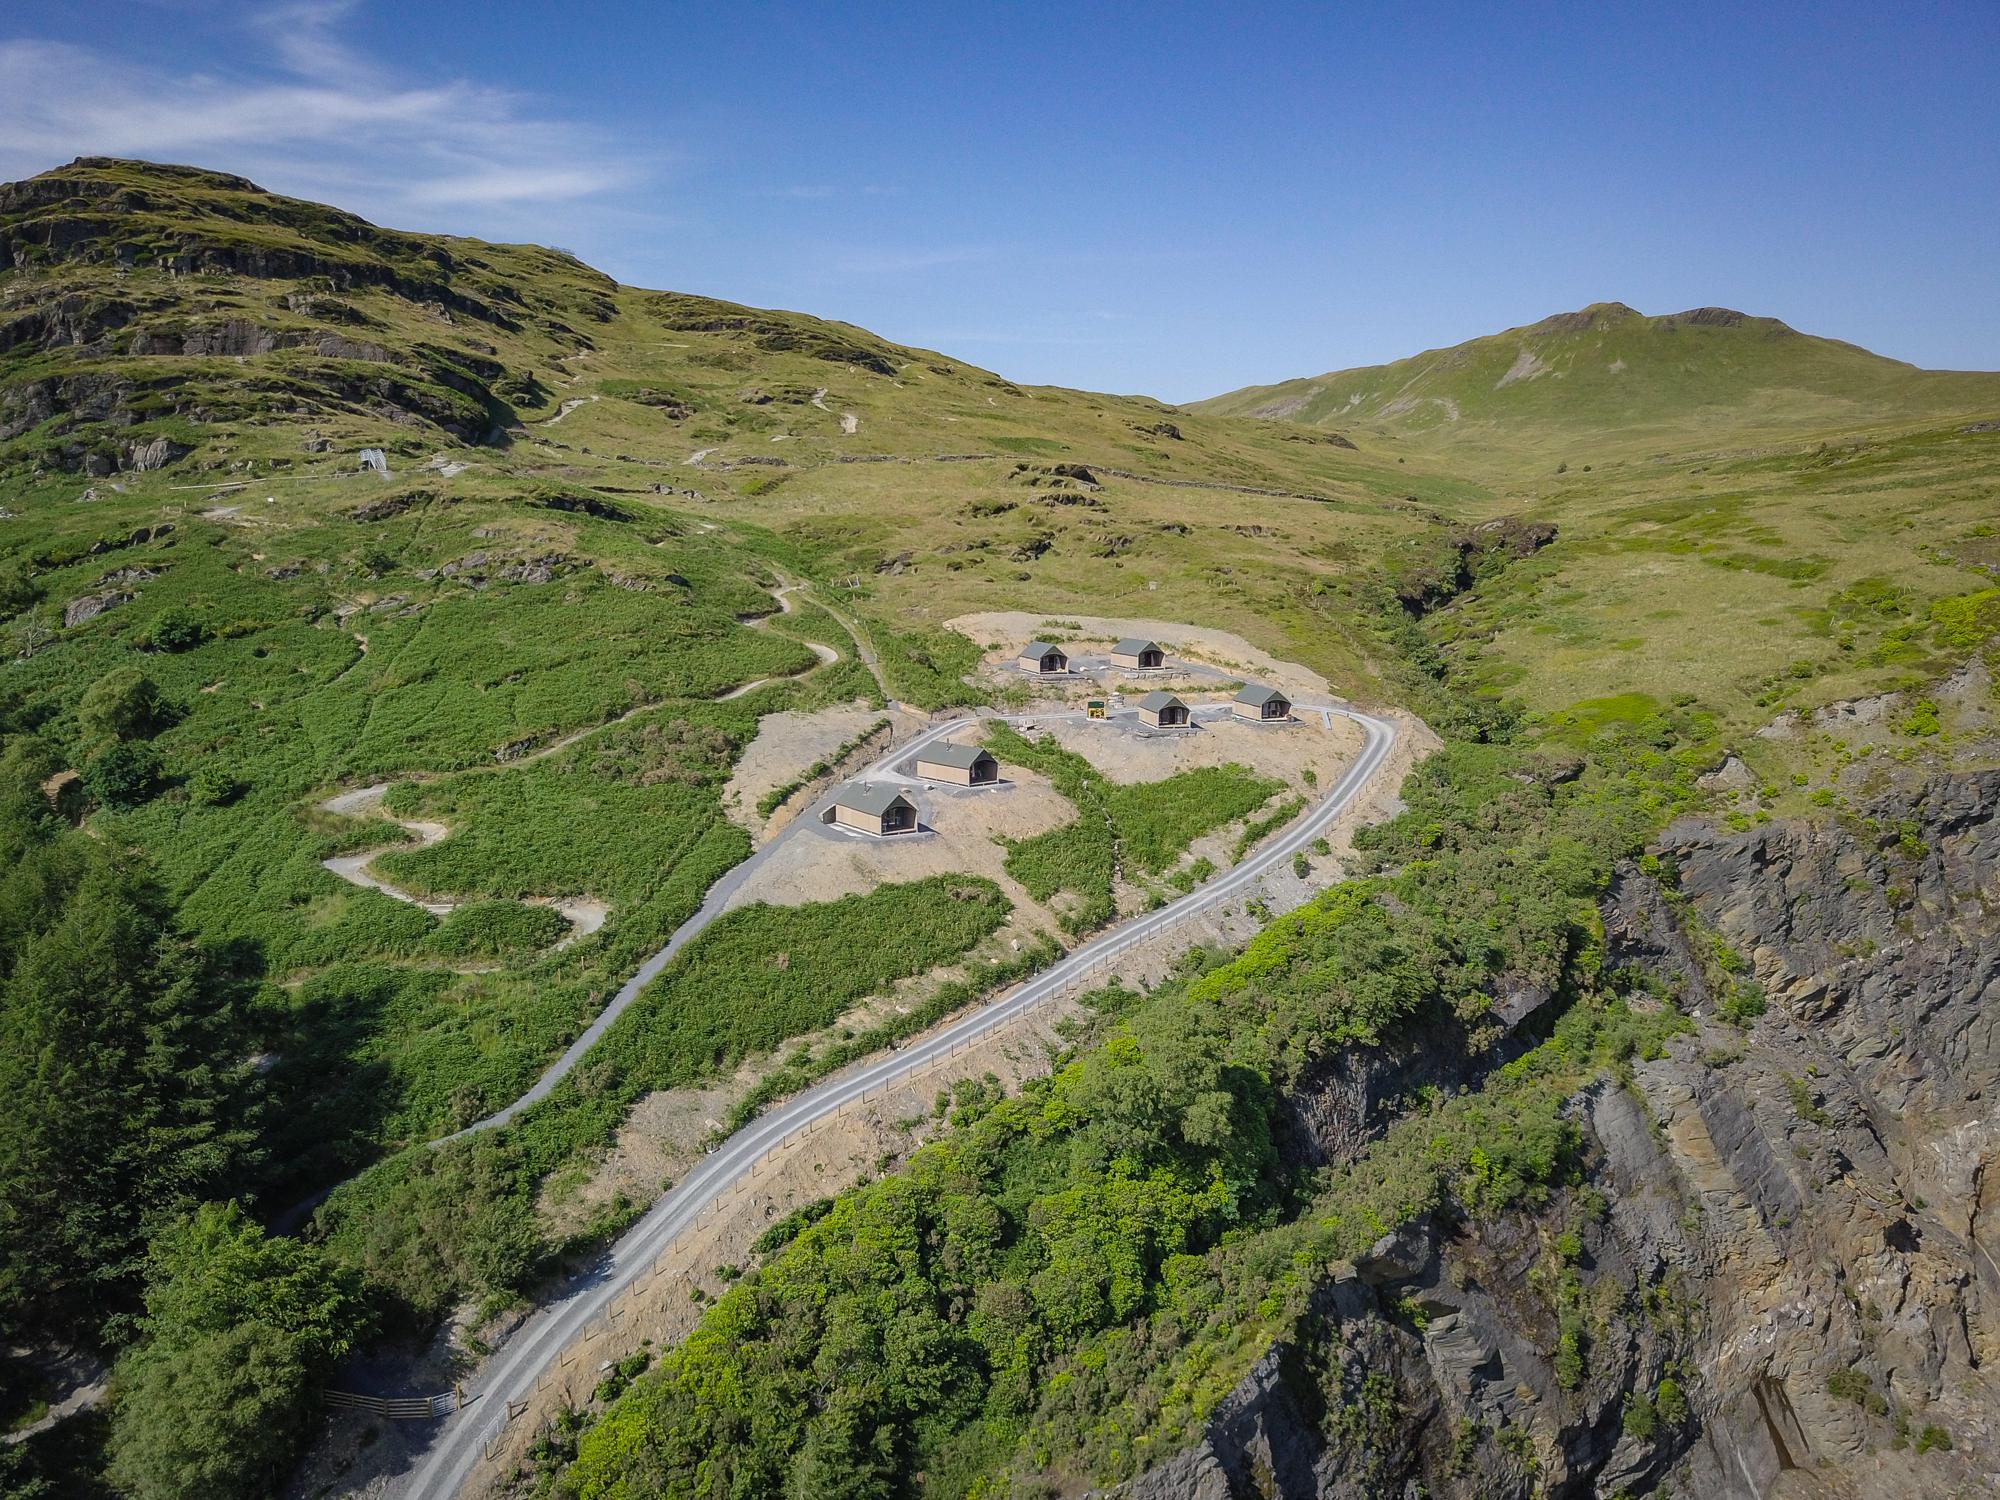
{"x":585,"y":913}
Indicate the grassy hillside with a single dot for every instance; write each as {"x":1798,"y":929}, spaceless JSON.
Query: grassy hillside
{"x":218,"y":615}
{"x":1619,"y":543}
{"x":191,"y":367}
{"x":1607,"y":381}
{"x":167,"y":316}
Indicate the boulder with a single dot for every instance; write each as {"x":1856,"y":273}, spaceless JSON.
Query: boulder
{"x":157,"y":454}
{"x":90,"y":606}
{"x":1731,"y":776}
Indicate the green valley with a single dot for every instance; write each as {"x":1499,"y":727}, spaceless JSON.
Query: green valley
{"x":427,"y":665}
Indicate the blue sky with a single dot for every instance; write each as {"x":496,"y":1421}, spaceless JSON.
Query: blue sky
{"x":1165,"y":198}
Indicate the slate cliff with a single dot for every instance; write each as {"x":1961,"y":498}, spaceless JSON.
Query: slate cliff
{"x":1789,"y":1229}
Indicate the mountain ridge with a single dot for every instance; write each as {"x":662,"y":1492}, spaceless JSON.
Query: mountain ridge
{"x":1619,"y":379}
{"x":108,"y":258}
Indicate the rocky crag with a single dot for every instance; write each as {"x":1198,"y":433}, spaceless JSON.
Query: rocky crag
{"x":1784,"y":1242}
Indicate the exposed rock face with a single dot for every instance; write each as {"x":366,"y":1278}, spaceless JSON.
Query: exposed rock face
{"x":72,"y":321}
{"x":541,"y":569}
{"x":1815,"y":1196}
{"x":241,"y":338}
{"x":1452,"y":563}
{"x":1348,"y":1097}
{"x":90,"y":606}
{"x":231,"y":338}
{"x":156,"y":454}
{"x":383,"y":509}
{"x":1731,"y":776}
{"x":587,"y":505}
{"x":1855,"y":712}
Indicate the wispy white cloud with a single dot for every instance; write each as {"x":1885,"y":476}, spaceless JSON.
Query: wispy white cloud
{"x":954,"y":338}
{"x":893,"y":260}
{"x":301,"y":36}
{"x":822,"y":192}
{"x":308,"y":113}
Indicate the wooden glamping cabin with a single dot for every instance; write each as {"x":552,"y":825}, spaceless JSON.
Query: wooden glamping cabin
{"x":1139,"y":656}
{"x":960,"y":765}
{"x":1163,"y":711}
{"x":869,"y":807}
{"x":1040,"y":656}
{"x":1265,"y":705}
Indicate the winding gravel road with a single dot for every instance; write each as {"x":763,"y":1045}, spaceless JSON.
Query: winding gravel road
{"x":457,"y":1443}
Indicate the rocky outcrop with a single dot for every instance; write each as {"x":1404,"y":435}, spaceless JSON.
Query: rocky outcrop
{"x":156,"y":453}
{"x":1730,"y":776}
{"x":457,"y":404}
{"x":543,"y":569}
{"x":385,"y":509}
{"x":771,"y":332}
{"x":238,"y":338}
{"x":84,"y":213}
{"x":1434,"y":570}
{"x":585,"y":505}
{"x":1349,"y":1097}
{"x":1787,"y":1250}
{"x":82,"y":610}
{"x":74,"y":321}
{"x":233,"y":338}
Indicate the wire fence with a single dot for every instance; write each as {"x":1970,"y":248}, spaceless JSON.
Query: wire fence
{"x":397,"y":1408}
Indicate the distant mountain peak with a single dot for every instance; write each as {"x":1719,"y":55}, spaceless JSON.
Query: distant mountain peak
{"x":1611,"y":376}
{"x":1585,"y":317}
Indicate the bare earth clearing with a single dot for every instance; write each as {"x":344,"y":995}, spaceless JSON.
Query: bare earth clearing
{"x":787,"y":743}
{"x":1229,"y":652}
{"x":1281,"y":751}
{"x":824,"y":864}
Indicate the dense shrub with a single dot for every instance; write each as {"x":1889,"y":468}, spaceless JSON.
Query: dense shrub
{"x":487,"y":929}
{"x":239,"y":1332}
{"x":431,"y":1225}
{"x":211,"y":786}
{"x":18,"y":589}
{"x":123,"y":704}
{"x":176,"y":628}
{"x":123,"y":774}
{"x":927,"y":667}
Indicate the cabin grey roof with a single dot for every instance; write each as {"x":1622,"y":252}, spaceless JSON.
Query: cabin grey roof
{"x":959,"y":757}
{"x":1135,"y":648}
{"x":1036,"y":650}
{"x":1257,"y":696}
{"x":1152,"y":703}
{"x":871,"y":797}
